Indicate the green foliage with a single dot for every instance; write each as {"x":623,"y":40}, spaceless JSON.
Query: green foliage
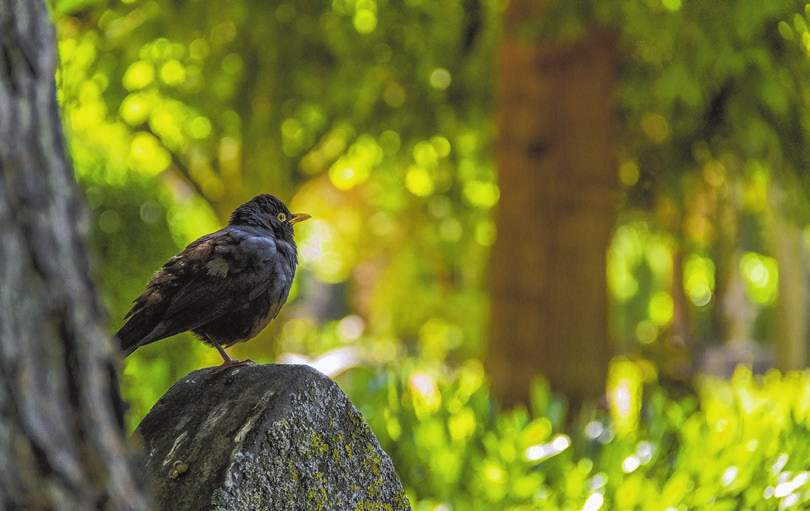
{"x":375,"y":117}
{"x":739,"y":444}
{"x":371,"y":116}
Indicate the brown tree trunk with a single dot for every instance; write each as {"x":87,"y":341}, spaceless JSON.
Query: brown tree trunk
{"x":556,"y":160}
{"x":62,"y":444}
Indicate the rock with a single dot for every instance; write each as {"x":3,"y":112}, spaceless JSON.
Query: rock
{"x":265,"y":437}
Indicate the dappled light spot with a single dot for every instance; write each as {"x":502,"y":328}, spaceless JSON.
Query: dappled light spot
{"x":594,"y":502}
{"x":671,"y":5}
{"x":437,"y":337}
{"x":147,"y":155}
{"x":199,"y":127}
{"x":162,"y":49}
{"x":354,"y":167}
{"x":232,"y":64}
{"x":426,"y":396}
{"x":761,"y":276}
{"x":646,"y":332}
{"x":167,"y":123}
{"x":630,"y":464}
{"x":645,"y":451}
{"x":461,"y":425}
{"x":440,"y":206}
{"x":441,"y":145}
{"x":424,"y":154}
{"x":729,"y":476}
{"x":198,"y":48}
{"x":624,"y":390}
{"x":450,"y":230}
{"x":593,"y":429}
{"x":540,"y":452}
{"x":440,"y":79}
{"x":481,"y":194}
{"x":661,"y":308}
{"x":109,"y":221}
{"x":485,"y":233}
{"x":394,"y":95}
{"x":390,"y":142}
{"x":628,"y":173}
{"x":493,"y":473}
{"x":135,"y":109}
{"x":655,"y":126}
{"x":779,"y":463}
{"x":223,"y":33}
{"x":698,"y":278}
{"x":326,"y":151}
{"x":714,"y":173}
{"x":788,"y":486}
{"x":150,"y":212}
{"x":598,"y":481}
{"x":351,"y":327}
{"x":172,"y":73}
{"x":138,"y":75}
{"x":346,"y":177}
{"x":418,"y":181}
{"x":365,"y":19}
{"x":229,"y":149}
{"x":293,"y":133}
{"x":537,"y":431}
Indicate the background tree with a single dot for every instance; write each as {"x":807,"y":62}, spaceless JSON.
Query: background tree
{"x":63,"y":443}
{"x":556,"y":155}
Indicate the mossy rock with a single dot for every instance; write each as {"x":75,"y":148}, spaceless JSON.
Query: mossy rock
{"x":265,"y":437}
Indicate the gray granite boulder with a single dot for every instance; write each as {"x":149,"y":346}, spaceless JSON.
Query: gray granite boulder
{"x":265,"y":437}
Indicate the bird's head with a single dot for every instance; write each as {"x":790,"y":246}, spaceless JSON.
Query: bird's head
{"x":267,"y":211}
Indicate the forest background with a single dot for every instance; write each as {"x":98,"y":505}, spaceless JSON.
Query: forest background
{"x":535,"y":224}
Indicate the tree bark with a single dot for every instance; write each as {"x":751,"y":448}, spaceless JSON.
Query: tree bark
{"x":62,"y":443}
{"x":557,"y":170}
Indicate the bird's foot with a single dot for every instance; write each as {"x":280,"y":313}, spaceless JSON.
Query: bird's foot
{"x":227,"y":365}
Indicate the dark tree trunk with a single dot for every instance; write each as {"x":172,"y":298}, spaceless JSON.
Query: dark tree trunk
{"x":556,"y":160}
{"x":62,"y":444}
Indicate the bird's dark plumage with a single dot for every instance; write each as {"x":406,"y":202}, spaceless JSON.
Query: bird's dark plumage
{"x":225,"y":287}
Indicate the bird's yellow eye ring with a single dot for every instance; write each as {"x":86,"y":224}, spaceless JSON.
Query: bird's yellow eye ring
{"x":281,"y":217}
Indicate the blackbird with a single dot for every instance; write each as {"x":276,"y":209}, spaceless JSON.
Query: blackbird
{"x":225,"y":287}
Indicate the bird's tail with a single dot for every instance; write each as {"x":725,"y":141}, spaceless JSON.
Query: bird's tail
{"x":134,"y":334}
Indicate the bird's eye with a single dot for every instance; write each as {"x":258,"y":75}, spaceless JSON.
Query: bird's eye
{"x":281,"y":217}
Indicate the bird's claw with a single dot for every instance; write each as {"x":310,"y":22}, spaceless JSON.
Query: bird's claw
{"x":227,"y":365}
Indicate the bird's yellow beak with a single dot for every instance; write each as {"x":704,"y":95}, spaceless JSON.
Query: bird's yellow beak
{"x":299,"y":217}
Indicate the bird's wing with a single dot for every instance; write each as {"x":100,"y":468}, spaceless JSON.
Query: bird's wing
{"x":149,"y":308}
{"x":236,"y":268}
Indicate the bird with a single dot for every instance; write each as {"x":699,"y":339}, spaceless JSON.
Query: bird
{"x":224,"y":287}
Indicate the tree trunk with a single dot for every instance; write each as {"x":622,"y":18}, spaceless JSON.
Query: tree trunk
{"x":557,"y":166}
{"x":791,"y":324}
{"x":62,"y":443}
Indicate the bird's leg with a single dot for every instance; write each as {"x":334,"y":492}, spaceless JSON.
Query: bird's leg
{"x":227,"y":360}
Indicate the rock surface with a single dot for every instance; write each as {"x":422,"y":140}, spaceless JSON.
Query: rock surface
{"x":265,"y":437}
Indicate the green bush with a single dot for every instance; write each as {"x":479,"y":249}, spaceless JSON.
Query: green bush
{"x":738,"y":444}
